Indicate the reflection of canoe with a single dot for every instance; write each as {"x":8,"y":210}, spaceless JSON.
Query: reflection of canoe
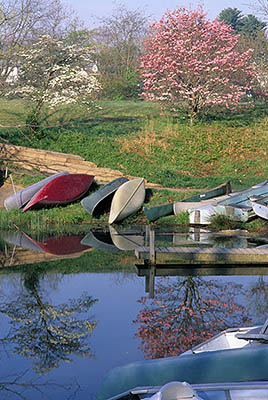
{"x":95,"y":201}
{"x":101,"y":241}
{"x":20,"y":198}
{"x":20,"y":239}
{"x":127,"y":200}
{"x":153,"y":213}
{"x":221,"y":366}
{"x":61,"y":190}
{"x":260,"y":206}
{"x":62,"y":245}
{"x":126,"y":240}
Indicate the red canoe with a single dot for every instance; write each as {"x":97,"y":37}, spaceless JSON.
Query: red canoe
{"x":61,"y":245}
{"x":62,"y":190}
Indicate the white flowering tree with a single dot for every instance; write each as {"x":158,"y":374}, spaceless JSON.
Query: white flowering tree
{"x":52,"y":74}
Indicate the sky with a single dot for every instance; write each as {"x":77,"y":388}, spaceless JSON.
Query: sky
{"x":88,"y":9}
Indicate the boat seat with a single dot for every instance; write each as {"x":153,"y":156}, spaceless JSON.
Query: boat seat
{"x":261,"y":335}
{"x":176,"y":391}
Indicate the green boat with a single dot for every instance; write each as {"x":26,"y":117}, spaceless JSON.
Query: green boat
{"x":153,"y":213}
{"x":246,"y":364}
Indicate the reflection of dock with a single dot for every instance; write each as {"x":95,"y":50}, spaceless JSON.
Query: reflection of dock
{"x":156,"y":261}
{"x":201,"y":254}
{"x":150,"y":271}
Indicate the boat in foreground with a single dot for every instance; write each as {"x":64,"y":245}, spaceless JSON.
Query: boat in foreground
{"x":61,"y":190}
{"x":246,"y":364}
{"x":234,"y":338}
{"x":183,"y":391}
{"x":95,"y":201}
{"x":218,"y":360}
{"x":155,"y":212}
{"x":127,"y":200}
{"x":21,"y":197}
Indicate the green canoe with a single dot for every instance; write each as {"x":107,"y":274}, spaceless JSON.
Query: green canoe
{"x":153,"y":213}
{"x":236,"y":365}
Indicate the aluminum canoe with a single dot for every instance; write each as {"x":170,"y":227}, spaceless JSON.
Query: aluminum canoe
{"x":155,"y":212}
{"x":20,"y":198}
{"x":94,"y":202}
{"x":127,"y":200}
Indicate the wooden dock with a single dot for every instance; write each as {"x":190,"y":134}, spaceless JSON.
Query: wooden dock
{"x":200,"y":254}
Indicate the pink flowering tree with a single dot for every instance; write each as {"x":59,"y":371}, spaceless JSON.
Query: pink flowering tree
{"x":195,"y":64}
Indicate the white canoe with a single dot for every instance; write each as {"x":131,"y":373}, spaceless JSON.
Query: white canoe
{"x":202,"y":215}
{"x":127,"y":200}
{"x":180,"y":206}
{"x":260,"y":206}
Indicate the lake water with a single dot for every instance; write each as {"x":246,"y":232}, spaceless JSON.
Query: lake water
{"x":66,"y":319}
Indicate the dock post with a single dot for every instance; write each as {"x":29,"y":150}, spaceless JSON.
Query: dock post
{"x":152,"y":247}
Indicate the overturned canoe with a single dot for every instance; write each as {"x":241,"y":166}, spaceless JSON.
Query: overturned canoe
{"x":61,"y":190}
{"x":153,"y":213}
{"x":202,"y":215}
{"x":260,"y":206}
{"x":127,"y":200}
{"x":94,"y":203}
{"x":20,"y":198}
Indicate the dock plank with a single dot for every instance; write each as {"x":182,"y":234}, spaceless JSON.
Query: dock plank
{"x":207,"y":255}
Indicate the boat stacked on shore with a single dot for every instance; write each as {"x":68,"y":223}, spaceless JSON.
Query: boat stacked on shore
{"x":123,"y":197}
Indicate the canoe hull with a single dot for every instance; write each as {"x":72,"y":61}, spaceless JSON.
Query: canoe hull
{"x":233,"y":365}
{"x":202,"y":215}
{"x":153,"y":213}
{"x":93,"y":202}
{"x":61,"y":190}
{"x":20,"y":198}
{"x":127,"y":200}
{"x":260,"y":209}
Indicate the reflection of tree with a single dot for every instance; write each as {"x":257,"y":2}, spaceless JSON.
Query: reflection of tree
{"x":258,"y":297}
{"x":186,"y":312}
{"x":18,"y":386}
{"x":48,"y":333}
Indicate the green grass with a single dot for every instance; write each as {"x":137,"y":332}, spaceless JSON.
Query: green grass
{"x":139,"y":139}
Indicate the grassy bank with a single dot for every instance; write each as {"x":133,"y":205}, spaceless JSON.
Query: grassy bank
{"x":139,"y":139}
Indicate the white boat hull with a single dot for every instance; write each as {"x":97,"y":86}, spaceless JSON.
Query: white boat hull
{"x":202,"y":215}
{"x":127,"y":200}
{"x":260,"y":209}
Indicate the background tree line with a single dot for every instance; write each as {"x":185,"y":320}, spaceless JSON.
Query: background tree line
{"x":114,"y":48}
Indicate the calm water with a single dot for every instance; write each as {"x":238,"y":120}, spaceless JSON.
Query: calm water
{"x":62,"y":327}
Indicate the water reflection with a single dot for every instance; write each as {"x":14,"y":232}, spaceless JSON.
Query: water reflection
{"x":187,"y":311}
{"x":85,"y":314}
{"x":46,"y":333}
